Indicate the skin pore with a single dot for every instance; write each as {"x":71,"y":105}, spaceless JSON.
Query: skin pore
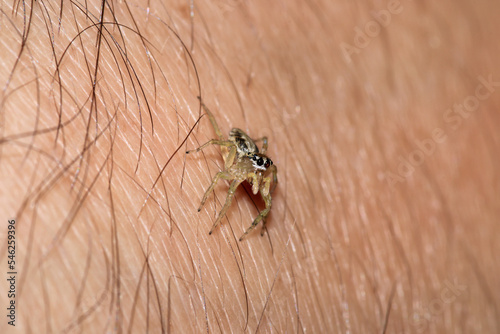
{"x":381,"y":121}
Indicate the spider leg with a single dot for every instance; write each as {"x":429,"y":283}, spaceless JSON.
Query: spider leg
{"x":229,"y":158}
{"x":267,"y":181}
{"x":255,"y":182}
{"x":220,"y":175}
{"x":262,"y":215}
{"x":225,"y":143}
{"x":274,"y":170}
{"x":264,"y":144}
{"x":229,"y":199}
{"x":264,"y":221}
{"x":212,"y":119}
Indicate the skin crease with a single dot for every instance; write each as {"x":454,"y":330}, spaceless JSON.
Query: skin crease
{"x":359,"y":240}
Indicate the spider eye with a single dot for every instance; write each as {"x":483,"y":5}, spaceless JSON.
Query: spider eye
{"x":268,"y":163}
{"x":260,"y":161}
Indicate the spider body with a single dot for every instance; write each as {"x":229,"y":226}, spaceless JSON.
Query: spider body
{"x":242,"y":162}
{"x":244,"y":144}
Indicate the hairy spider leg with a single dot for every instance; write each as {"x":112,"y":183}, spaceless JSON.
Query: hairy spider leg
{"x":218,"y":132}
{"x":225,"y":143}
{"x":229,"y":199}
{"x":255,"y":183}
{"x":220,"y":175}
{"x":225,"y":153}
{"x":264,"y":144}
{"x":228,"y":156}
{"x":263,"y":229}
{"x":274,"y":170}
{"x":262,"y":215}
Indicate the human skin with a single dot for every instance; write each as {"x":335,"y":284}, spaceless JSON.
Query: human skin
{"x":367,"y":233}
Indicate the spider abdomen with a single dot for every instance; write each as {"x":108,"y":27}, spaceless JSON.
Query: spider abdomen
{"x":244,"y":144}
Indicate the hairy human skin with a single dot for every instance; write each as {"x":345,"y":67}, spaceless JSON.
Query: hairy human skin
{"x":365,"y":235}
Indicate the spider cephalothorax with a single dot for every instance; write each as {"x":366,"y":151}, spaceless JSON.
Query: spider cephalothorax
{"x":242,"y":162}
{"x":260,"y":161}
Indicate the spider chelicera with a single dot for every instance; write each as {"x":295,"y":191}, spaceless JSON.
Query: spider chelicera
{"x":242,"y":162}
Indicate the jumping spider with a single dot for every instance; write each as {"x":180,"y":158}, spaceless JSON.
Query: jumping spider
{"x":242,"y":161}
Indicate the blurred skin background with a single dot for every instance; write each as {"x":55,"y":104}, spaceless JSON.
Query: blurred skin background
{"x":382,"y":120}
